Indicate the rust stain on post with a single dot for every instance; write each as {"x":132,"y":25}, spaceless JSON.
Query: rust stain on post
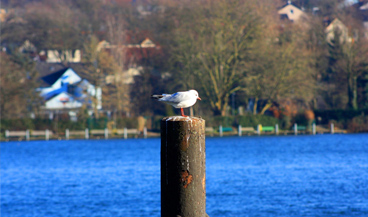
{"x":204,"y":183}
{"x":183,"y":167}
{"x":186,"y":178}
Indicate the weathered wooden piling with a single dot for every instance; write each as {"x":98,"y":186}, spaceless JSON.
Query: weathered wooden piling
{"x":125,"y":133}
{"x":183,"y":167}
{"x":106,"y":133}
{"x":295,"y":129}
{"x":332,"y":128}
{"x":145,"y":132}
{"x":86,"y":133}
{"x":67,"y":134}
{"x":47,"y":135}
{"x":27,"y":135}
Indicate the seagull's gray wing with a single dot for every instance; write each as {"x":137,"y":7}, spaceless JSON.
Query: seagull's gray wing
{"x":176,"y":97}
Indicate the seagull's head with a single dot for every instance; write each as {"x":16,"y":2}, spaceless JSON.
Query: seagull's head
{"x":195,"y":93}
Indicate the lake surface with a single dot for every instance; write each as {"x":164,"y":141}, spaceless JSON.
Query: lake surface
{"x":322,"y":175}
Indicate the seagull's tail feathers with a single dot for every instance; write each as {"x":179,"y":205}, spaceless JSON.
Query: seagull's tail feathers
{"x":157,"y":96}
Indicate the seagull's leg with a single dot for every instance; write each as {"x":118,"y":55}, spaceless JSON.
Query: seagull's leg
{"x":182,"y":112}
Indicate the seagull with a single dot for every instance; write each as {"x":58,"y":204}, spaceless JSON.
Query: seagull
{"x":180,"y":100}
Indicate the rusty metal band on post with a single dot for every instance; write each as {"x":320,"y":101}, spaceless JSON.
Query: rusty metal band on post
{"x":183,"y":167}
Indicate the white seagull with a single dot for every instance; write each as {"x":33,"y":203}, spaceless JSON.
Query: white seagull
{"x":180,"y":100}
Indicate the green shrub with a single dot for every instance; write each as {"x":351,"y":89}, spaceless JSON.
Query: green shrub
{"x":17,"y":124}
{"x":100,"y":123}
{"x":285,"y":122}
{"x":340,"y":115}
{"x":131,"y":122}
{"x":244,"y":120}
{"x":43,"y":124}
{"x":71,"y":125}
{"x":254,"y":120}
{"x":215,"y":121}
{"x":156,"y":122}
{"x":300,"y":119}
{"x":358,"y":124}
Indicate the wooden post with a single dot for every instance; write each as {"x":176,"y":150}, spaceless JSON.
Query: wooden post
{"x":332,"y":128}
{"x":314,"y":128}
{"x":47,"y":136}
{"x":296,"y":129}
{"x":106,"y":133}
{"x":7,"y":134}
{"x":125,"y":133}
{"x":183,"y":167}
{"x":220,"y":130}
{"x":86,"y":133}
{"x":239,"y":130}
{"x":67,"y":134}
{"x":276,"y":129}
{"x":27,"y":135}
{"x":145,"y":132}
{"x":259,"y":129}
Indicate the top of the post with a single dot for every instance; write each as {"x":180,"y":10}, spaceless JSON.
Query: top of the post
{"x":181,"y":118}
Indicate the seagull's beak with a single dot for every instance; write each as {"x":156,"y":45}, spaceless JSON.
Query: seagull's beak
{"x":199,"y":98}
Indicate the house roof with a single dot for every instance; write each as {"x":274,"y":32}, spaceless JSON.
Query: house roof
{"x":364,"y":7}
{"x":335,"y":23}
{"x":45,"y":69}
{"x":147,"y":43}
{"x":53,"y":77}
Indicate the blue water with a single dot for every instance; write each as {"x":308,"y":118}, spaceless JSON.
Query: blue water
{"x":322,"y":175}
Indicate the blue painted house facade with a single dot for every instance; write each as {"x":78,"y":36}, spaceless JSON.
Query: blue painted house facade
{"x":65,"y":89}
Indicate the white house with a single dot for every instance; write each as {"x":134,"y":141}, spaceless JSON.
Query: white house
{"x":65,"y":89}
{"x":337,"y":26}
{"x":291,"y":12}
{"x":62,"y":101}
{"x":54,"y":56}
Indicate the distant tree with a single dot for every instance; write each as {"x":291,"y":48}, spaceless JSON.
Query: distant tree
{"x":212,"y":53}
{"x":98,"y":64}
{"x":282,"y":70}
{"x":117,"y":36}
{"x":18,"y":86}
{"x":317,"y":46}
{"x":11,"y":88}
{"x":91,"y":17}
{"x":324,"y":7}
{"x":146,"y":84}
{"x":49,"y":25}
{"x":350,"y":65}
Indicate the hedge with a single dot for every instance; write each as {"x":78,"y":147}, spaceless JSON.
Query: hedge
{"x":339,"y":115}
{"x":354,"y":120}
{"x":244,"y":120}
